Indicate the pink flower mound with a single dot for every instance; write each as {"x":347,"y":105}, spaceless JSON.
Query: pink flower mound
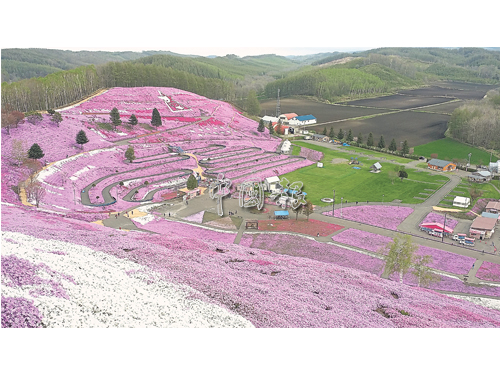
{"x":441,"y":260}
{"x":489,"y":271}
{"x":308,"y":248}
{"x":290,"y":292}
{"x":449,"y":284}
{"x":167,"y":228}
{"x":312,"y":155}
{"x":388,"y":217}
{"x":18,"y":312}
{"x":434,"y":217}
{"x":195,"y":218}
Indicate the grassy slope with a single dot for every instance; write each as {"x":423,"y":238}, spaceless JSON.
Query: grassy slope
{"x":360,"y":185}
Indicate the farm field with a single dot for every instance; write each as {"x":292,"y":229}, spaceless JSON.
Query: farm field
{"x":373,"y":187}
{"x":415,"y":127}
{"x":398,"y":102}
{"x":466,"y":86}
{"x":444,"y":108}
{"x":450,"y":149}
{"x":471,"y":93}
{"x":411,"y":122}
{"x":322,"y":111}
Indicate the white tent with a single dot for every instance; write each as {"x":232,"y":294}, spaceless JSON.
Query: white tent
{"x":461,"y":202}
{"x":285,"y":147}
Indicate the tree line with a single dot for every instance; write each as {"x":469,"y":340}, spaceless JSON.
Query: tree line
{"x":62,"y":88}
{"x":477,"y":122}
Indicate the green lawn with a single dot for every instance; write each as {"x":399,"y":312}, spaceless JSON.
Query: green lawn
{"x":449,"y":149}
{"x":377,"y":154}
{"x":462,"y":190}
{"x":361,"y":185}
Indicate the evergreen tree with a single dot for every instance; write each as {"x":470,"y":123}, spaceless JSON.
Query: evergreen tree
{"x":81,"y":138}
{"x":402,"y":173}
{"x":261,"y":126}
{"x":156,"y":118}
{"x":130,"y":154}
{"x":406,"y":148}
{"x":192,"y":182}
{"x":35,"y":152}
{"x":271,"y":127}
{"x":381,"y":142}
{"x":369,"y":142}
{"x":115,"y":117}
{"x":349,"y":136}
{"x":360,"y":138}
{"x":340,"y":135}
{"x":253,"y":105}
{"x":133,"y":120}
{"x":324,"y":131}
{"x":393,"y":147}
{"x":332,"y":133}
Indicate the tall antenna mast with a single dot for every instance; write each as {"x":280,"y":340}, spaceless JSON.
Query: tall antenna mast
{"x":278,"y":109}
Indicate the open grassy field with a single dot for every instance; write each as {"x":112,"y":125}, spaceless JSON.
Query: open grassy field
{"x":450,"y":149}
{"x":359,"y":184}
{"x":488,"y":191}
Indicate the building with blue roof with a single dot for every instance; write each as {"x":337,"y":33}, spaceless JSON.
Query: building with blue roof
{"x":302,"y":120}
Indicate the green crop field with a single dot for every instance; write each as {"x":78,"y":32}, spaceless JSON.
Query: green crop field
{"x":359,"y":184}
{"x":449,"y":149}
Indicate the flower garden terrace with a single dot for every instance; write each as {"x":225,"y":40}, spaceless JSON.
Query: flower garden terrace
{"x":102,"y":164}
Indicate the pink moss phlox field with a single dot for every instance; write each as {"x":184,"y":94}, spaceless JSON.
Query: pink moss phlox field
{"x":479,"y":207}
{"x":310,"y":154}
{"x":312,"y":288}
{"x":21,"y":273}
{"x":19,"y":312}
{"x":434,"y":217}
{"x":388,"y":217}
{"x":451,"y":284}
{"x":290,"y":292}
{"x":441,"y":260}
{"x":309,"y":248}
{"x":489,"y":271}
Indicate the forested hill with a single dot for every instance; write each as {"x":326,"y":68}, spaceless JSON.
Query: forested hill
{"x":23,"y":63}
{"x":330,"y":77}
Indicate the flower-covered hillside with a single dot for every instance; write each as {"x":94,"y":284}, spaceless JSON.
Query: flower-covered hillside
{"x":62,"y":273}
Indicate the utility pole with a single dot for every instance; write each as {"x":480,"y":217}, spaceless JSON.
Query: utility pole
{"x":333,"y":204}
{"x":444,"y":228}
{"x":278,"y":109}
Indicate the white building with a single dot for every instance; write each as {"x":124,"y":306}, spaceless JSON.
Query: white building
{"x":268,"y":119}
{"x":302,"y":120}
{"x":461,"y":202}
{"x":495,"y":167}
{"x":271,"y":182}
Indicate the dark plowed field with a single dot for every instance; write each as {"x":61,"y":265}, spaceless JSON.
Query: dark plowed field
{"x":399,"y":101}
{"x":417,"y":128}
{"x":466,"y":86}
{"x":445,"y":108}
{"x":435,"y":91}
{"x":323,"y":112}
{"x":416,"y":124}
